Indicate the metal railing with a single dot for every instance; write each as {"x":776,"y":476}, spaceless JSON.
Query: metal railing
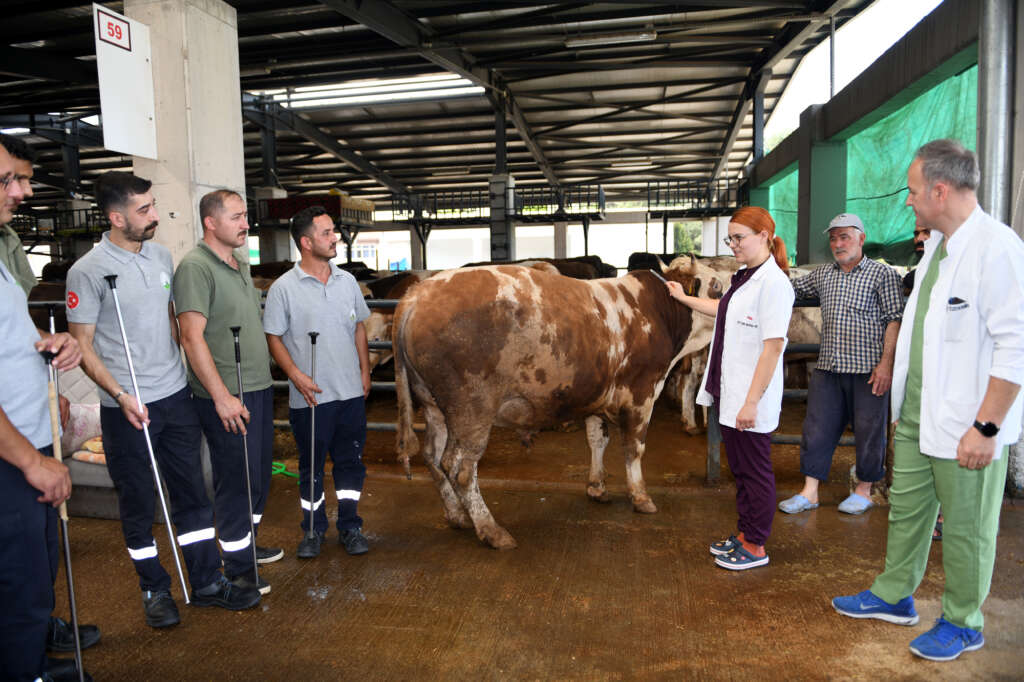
{"x":714,"y":459}
{"x":78,"y":222}
{"x":697,"y":197}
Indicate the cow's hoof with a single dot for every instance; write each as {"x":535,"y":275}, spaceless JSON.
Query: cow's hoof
{"x":644,"y":505}
{"x":693,"y":430}
{"x":498,"y":538}
{"x":599,"y":495}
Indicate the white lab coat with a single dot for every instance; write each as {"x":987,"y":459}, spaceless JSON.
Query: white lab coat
{"x":974,"y":329}
{"x":760,"y":309}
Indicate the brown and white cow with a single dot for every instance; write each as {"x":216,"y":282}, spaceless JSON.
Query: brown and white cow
{"x":521,"y":348}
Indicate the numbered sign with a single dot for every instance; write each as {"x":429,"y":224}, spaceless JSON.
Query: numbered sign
{"x":113,"y":29}
{"x":125,"y":70}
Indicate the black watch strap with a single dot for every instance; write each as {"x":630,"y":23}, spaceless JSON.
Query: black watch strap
{"x":988,"y":429}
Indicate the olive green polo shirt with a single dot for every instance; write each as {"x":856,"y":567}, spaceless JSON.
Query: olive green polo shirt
{"x":226,"y":297}
{"x":12,"y":254}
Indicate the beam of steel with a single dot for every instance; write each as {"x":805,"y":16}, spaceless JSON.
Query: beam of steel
{"x":55,"y":128}
{"x":389,"y":21}
{"x":760,"y":74}
{"x":285,"y":118}
{"x":39,"y":64}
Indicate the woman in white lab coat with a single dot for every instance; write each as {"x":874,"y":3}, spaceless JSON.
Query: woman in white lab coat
{"x":744,"y":376}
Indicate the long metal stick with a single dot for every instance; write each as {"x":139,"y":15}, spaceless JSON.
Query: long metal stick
{"x":112,"y":281}
{"x":312,"y":435}
{"x":245,"y":453}
{"x":53,"y":391}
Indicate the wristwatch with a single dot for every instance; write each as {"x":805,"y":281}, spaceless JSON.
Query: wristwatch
{"x":988,"y":429}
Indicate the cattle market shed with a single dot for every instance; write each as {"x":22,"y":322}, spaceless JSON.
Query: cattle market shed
{"x":544,"y":96}
{"x":448,"y":114}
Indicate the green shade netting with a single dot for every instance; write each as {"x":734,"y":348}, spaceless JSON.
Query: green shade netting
{"x":876,"y":167}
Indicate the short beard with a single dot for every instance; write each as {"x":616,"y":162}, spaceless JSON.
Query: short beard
{"x":141,"y":236}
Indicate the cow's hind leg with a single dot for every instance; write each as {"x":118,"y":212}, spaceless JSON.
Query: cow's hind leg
{"x":461,"y":458}
{"x":597,"y":438}
{"x":433,"y":448}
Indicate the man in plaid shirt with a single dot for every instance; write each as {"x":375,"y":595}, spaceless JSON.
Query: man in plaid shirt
{"x":861,"y":308}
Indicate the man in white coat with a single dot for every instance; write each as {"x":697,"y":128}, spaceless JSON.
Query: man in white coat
{"x":957,"y":404}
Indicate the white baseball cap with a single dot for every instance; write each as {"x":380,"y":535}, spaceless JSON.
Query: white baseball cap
{"x":845,"y":220}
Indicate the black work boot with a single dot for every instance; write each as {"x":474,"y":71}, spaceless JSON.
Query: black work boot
{"x":268,"y":555}
{"x":354,"y":541}
{"x":60,"y":637}
{"x":227,"y":595}
{"x":161,"y":611}
{"x":63,"y":670}
{"x":309,"y":548}
{"x":248,"y":581}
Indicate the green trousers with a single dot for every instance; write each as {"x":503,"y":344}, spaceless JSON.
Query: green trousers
{"x":970,"y":501}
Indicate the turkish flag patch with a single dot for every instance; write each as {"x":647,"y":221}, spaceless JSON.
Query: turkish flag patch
{"x":72,"y":300}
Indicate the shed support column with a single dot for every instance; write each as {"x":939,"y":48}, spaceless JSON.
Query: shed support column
{"x":561,"y":240}
{"x":416,"y":249}
{"x":503,"y":246}
{"x":709,"y":237}
{"x":198,"y":117}
{"x":822,"y":192}
{"x":268,"y":152}
{"x":995,"y":88}
{"x":1017,"y":203}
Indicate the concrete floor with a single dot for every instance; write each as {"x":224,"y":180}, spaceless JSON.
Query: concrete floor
{"x":593,"y":591}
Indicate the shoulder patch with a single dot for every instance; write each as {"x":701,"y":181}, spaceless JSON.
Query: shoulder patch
{"x":72,"y":300}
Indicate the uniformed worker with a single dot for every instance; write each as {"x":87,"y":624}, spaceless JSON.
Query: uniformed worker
{"x":317,"y":296}
{"x":20,"y":157}
{"x":32,"y":482}
{"x":144,"y":270}
{"x":212,"y":293}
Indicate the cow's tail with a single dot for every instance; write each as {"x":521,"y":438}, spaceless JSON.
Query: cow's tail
{"x":405,"y":441}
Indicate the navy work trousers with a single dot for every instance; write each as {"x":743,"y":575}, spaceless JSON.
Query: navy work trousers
{"x":340,"y":430}
{"x":28,"y":563}
{"x":227,"y":457}
{"x":174,"y":433}
{"x":833,"y":401}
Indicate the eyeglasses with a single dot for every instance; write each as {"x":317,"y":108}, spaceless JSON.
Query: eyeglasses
{"x":735,"y":239}
{"x":6,"y":180}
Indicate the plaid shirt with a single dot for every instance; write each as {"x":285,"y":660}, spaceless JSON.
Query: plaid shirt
{"x":856,"y":307}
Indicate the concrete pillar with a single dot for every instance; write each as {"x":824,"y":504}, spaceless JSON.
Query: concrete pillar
{"x":561,"y":239}
{"x":1015,"y":465}
{"x":198,"y":112}
{"x":416,"y":261}
{"x":275,"y":244}
{"x":822,"y":192}
{"x":709,"y":237}
{"x":722,"y":228}
{"x":503,"y":246}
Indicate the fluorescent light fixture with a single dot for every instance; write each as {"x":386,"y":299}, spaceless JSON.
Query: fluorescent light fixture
{"x":383,"y":97}
{"x":632,"y":165}
{"x":14,"y":131}
{"x":433,"y":86}
{"x":611,"y":38}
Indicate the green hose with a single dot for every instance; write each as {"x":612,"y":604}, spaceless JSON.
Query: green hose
{"x":280,"y":468}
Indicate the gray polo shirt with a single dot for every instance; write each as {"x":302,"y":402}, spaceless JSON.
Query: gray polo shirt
{"x":298,"y":303}
{"x":144,"y":290}
{"x":227,"y":298}
{"x":24,"y":398}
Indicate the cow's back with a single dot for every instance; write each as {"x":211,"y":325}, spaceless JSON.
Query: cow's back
{"x":525,"y":347}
